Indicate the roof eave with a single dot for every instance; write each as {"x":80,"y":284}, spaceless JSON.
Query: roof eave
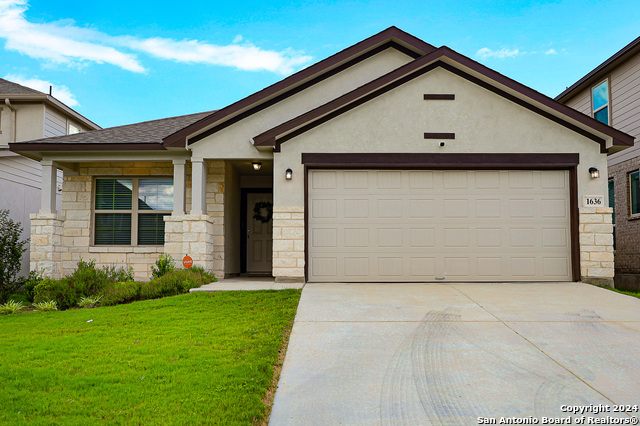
{"x":509,"y":88}
{"x":600,"y":71}
{"x":303,"y":76}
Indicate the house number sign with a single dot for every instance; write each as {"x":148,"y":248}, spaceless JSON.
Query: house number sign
{"x":593,"y":201}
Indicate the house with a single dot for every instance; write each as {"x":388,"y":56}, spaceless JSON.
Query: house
{"x":27,"y":114}
{"x":391,"y":161}
{"x":611,"y":94}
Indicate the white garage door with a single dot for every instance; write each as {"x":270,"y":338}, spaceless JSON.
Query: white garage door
{"x":417,"y":225}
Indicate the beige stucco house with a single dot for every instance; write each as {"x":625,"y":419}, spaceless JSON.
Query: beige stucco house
{"x":27,"y":114}
{"x":611,"y":93}
{"x":391,"y":161}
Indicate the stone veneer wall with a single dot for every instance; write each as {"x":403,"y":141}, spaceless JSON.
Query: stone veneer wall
{"x":77,"y":193}
{"x":596,"y":245}
{"x":215,"y":215}
{"x":46,"y":244}
{"x":288,"y":243}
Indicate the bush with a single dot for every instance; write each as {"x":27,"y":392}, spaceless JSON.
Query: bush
{"x":85,"y":281}
{"x":11,"y":249}
{"x":120,"y":292}
{"x":49,"y":305}
{"x":176,"y":282}
{"x":30,"y":283}
{"x":164,"y":265}
{"x":11,"y":307}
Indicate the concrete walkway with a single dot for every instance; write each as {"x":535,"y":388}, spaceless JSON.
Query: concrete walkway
{"x":411,"y":354}
{"x":246,"y":284}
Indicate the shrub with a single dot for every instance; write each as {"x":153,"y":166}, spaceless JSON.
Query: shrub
{"x":173,"y":283}
{"x":164,"y":265}
{"x":11,"y":249}
{"x":30,"y":283}
{"x":49,"y":305}
{"x":11,"y":307}
{"x":120,"y":292}
{"x":86,"y":280}
{"x":89,"y":301}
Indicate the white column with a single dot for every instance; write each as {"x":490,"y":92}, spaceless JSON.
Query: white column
{"x":199,"y":186}
{"x":49,"y":185}
{"x":179,"y":186}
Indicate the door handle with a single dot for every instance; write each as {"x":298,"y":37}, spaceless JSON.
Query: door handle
{"x":248,"y":233}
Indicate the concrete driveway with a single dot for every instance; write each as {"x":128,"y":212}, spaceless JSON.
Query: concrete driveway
{"x":420,"y":354}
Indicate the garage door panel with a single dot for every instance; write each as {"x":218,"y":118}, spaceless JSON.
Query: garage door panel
{"x":425,"y":225}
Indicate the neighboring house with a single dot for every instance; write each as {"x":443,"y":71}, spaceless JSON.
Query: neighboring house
{"x":390,"y":161}
{"x":27,"y":114}
{"x":611,"y":94}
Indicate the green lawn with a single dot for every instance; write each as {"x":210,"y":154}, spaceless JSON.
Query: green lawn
{"x":628,"y":293}
{"x":193,"y":359}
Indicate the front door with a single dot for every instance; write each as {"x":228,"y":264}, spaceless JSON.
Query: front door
{"x":259,"y":232}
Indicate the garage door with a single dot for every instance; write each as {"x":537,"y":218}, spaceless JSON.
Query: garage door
{"x":417,"y":225}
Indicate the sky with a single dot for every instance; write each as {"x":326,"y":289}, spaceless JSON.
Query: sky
{"x":122,"y":62}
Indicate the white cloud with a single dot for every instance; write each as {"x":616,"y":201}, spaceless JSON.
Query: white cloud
{"x":551,"y":52}
{"x":60,"y":92}
{"x":55,"y":42}
{"x":246,"y":57}
{"x":64,"y":42}
{"x":486,"y":53}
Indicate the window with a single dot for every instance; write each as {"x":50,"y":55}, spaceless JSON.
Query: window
{"x":73,"y":129}
{"x":121,"y":221}
{"x":600,"y":102}
{"x":634,"y":192}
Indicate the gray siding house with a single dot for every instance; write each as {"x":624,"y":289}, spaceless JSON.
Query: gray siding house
{"x":611,"y":94}
{"x":27,"y":114}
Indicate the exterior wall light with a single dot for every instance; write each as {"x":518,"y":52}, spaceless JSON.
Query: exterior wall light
{"x":595,"y":173}
{"x":256,"y":165}
{"x":288,"y":175}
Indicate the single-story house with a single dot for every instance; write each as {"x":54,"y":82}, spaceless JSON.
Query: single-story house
{"x":390,"y":161}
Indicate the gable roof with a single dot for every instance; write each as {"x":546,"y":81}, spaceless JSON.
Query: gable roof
{"x":463,"y":66}
{"x":391,"y":37}
{"x":601,"y":70}
{"x":10,"y":88}
{"x":18,"y":93}
{"x":139,"y":136}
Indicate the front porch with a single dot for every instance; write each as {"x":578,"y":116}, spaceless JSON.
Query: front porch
{"x":211,"y":219}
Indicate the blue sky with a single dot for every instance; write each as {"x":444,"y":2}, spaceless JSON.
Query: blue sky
{"x":121,"y":62}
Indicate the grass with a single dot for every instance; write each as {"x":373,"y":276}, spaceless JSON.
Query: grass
{"x":629,"y":293}
{"x":203,"y":358}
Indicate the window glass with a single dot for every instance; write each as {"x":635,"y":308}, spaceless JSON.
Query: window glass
{"x":602,"y":115}
{"x":113,"y":194}
{"x":73,"y":129}
{"x":612,"y":199}
{"x":151,"y":229}
{"x":113,"y":228}
{"x":600,"y":96}
{"x":155,"y":194}
{"x":634,"y":183}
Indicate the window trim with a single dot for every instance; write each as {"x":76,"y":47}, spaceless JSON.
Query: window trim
{"x":607,"y":105}
{"x":135,"y":212}
{"x":632,"y":216}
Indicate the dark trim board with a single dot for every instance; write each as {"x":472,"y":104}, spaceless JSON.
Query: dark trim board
{"x":243,"y":223}
{"x":439,"y":135}
{"x":534,"y":161}
{"x":438,"y":97}
{"x":81,"y":147}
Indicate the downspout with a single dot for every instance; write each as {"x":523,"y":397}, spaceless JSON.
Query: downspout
{"x":12,"y":129}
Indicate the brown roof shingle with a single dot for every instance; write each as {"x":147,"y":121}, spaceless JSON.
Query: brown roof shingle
{"x":10,"y":88}
{"x":147,"y":132}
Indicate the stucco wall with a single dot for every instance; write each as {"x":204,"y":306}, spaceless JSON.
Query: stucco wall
{"x":234,"y":141}
{"x":482,"y":121}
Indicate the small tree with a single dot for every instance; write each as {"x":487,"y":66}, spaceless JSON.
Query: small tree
{"x":11,"y":250}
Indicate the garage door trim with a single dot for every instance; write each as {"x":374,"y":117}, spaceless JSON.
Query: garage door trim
{"x":448,"y":161}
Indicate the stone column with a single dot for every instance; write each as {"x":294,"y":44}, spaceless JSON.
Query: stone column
{"x":596,"y":246}
{"x":191,"y":235}
{"x":288,"y":244}
{"x":48,"y":191}
{"x":46,"y":244}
